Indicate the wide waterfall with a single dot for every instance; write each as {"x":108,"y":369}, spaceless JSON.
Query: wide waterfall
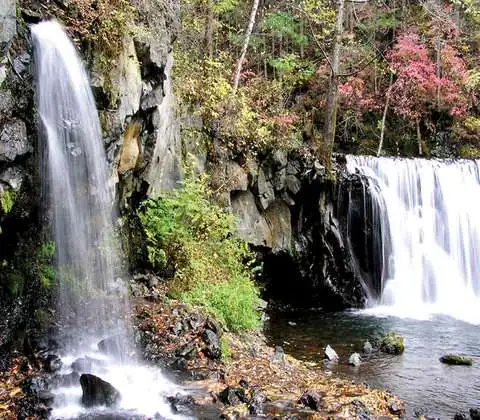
{"x":428,"y":211}
{"x":92,"y":298}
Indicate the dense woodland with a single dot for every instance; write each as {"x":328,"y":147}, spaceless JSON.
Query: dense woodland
{"x":376,"y":77}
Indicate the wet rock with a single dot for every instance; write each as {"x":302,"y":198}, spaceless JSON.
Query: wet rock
{"x":460,"y":416}
{"x":395,"y":408}
{"x":355,"y":359}
{"x":46,"y":397}
{"x":66,"y":380}
{"x":181,"y":403}
{"x":233,"y":396}
{"x":453,"y":359}
{"x":212,"y":340}
{"x":367,"y":347}
{"x":331,"y":354}
{"x":392,"y":343}
{"x":96,"y":391}
{"x":82,"y":365}
{"x":311,"y":399}
{"x":475,"y":413}
{"x":35,"y":385}
{"x":13,"y":140}
{"x":52,"y":363}
{"x":112,"y":346}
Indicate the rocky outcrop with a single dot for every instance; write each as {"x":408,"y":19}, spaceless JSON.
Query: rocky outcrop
{"x":298,"y":221}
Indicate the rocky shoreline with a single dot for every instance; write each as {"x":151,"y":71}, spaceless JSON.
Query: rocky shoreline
{"x":225,"y":375}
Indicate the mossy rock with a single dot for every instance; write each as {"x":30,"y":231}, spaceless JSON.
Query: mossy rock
{"x":392,"y":343}
{"x":454,"y":359}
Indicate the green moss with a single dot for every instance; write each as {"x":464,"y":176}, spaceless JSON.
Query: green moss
{"x":225,"y":349}
{"x":15,"y":283}
{"x":7,"y":200}
{"x":453,"y":359}
{"x":42,"y":317}
{"x":44,"y":264}
{"x":392,"y":343}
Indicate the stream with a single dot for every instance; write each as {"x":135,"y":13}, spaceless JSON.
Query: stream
{"x":417,"y":376}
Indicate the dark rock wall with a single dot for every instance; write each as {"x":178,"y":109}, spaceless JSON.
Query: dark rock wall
{"x":301,"y":225}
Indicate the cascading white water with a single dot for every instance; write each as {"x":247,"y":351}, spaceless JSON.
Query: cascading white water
{"x":92,"y":299}
{"x":429,"y":213}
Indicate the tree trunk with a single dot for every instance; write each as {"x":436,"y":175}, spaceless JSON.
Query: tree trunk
{"x":419,"y":138}
{"x":251,"y":22}
{"x":209,"y":29}
{"x":384,"y":116}
{"x":332,"y":97}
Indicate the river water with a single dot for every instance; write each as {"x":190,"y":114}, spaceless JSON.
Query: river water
{"x":417,"y":376}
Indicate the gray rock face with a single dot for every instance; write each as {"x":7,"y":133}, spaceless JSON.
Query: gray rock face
{"x":279,"y":221}
{"x":13,"y":140}
{"x":266,"y":193}
{"x":252,"y":226}
{"x":8,"y":20}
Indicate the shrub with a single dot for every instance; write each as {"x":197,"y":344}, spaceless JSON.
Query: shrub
{"x":186,"y":231}
{"x":7,"y":200}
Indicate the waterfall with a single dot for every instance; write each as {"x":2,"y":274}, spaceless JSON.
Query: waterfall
{"x":428,"y":211}
{"x":92,"y":301}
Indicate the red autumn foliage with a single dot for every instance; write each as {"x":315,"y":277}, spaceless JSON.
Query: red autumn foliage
{"x":417,"y":85}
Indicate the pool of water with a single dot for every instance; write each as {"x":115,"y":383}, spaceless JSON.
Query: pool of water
{"x":417,"y":376}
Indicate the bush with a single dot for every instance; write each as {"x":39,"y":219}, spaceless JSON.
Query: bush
{"x":190,"y":234}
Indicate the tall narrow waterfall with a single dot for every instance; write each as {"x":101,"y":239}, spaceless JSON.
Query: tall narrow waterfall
{"x":92,"y":299}
{"x":75,"y":181}
{"x":429,"y":214}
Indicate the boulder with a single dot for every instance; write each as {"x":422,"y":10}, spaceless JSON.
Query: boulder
{"x":475,"y":413}
{"x":181,"y":403}
{"x":395,"y":408}
{"x":392,"y":343}
{"x":96,"y":391}
{"x":453,"y":359}
{"x":355,"y":359}
{"x":331,"y":354}
{"x":233,"y":396}
{"x":311,"y":399}
{"x":52,"y":363}
{"x":212,"y":340}
{"x":460,"y":416}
